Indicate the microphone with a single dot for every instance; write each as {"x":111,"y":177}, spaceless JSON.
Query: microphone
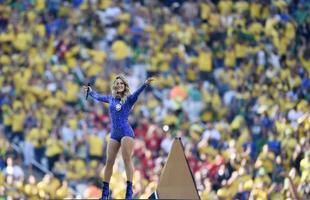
{"x":87,"y":92}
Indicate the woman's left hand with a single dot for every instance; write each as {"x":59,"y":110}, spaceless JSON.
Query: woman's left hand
{"x":149,"y":80}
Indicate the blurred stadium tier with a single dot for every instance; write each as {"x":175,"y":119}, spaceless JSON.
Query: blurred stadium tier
{"x":232,"y":80}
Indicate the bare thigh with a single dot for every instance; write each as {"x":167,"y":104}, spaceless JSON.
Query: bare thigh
{"x":113,"y":148}
{"x":127,"y":144}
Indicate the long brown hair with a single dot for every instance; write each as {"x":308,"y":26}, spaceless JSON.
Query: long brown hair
{"x":126,"y":92}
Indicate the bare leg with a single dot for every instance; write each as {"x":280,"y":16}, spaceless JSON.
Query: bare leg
{"x":127,"y":144}
{"x":113,"y":148}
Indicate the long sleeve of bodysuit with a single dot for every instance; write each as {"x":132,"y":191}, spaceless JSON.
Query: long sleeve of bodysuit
{"x":133,"y":97}
{"x":99,"y":97}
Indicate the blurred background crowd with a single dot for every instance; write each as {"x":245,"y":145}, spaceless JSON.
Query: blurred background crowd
{"x":232,"y":80}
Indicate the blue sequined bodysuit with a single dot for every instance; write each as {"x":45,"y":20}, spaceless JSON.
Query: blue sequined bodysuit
{"x":119,"y":112}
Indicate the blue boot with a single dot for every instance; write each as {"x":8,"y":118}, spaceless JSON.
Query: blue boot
{"x":129,"y":191}
{"x":105,"y":191}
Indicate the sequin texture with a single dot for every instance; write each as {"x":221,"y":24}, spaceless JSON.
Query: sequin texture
{"x":119,"y":119}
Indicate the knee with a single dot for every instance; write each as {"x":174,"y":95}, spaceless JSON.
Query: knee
{"x":127,"y":159}
{"x":110,"y":162}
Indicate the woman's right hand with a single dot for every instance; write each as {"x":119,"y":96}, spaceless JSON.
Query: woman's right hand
{"x":85,"y":87}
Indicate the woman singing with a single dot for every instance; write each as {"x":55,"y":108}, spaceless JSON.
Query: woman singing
{"x":122,"y":135}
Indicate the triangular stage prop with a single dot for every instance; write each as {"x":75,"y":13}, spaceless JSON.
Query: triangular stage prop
{"x":176,"y":180}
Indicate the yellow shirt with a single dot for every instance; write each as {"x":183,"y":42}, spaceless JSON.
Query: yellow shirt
{"x":94,"y":69}
{"x":120,"y":50}
{"x":260,"y":194}
{"x":54,"y":184}
{"x":29,"y":99}
{"x":98,"y":56}
{"x":241,"y":51}
{"x":31,"y":190}
{"x":191,"y":74}
{"x":208,"y":150}
{"x":224,"y":193}
{"x":186,"y":37}
{"x":205,"y":11}
{"x":255,"y":29}
{"x":7,"y":115}
{"x":18,"y":121}
{"x":3,"y":146}
{"x":267,"y":160}
{"x":280,"y":4}
{"x":265,"y":12}
{"x":60,"y":166}
{"x":7,"y":37}
{"x":205,"y":61}
{"x":39,"y":5}
{"x":33,"y":136}
{"x":40,"y":30}
{"x":290,"y":31}
{"x":170,"y":28}
{"x":124,"y":17}
{"x":77,"y":169}
{"x":22,"y":40}
{"x":1,"y":80}
{"x":95,"y":145}
{"x":2,"y":178}
{"x":43,"y":187}
{"x":62,"y":192}
{"x":53,"y":102}
{"x":281,"y":44}
{"x":121,"y":30}
{"x":255,"y":9}
{"x":43,"y":136}
{"x":102,"y":85}
{"x":103,"y":4}
{"x":305,"y":169}
{"x":165,"y":81}
{"x":154,"y":62}
{"x":164,"y":65}
{"x":38,"y":63}
{"x":216,"y":101}
{"x":116,"y":185}
{"x":277,"y":195}
{"x":225,"y":6}
{"x":170,"y":120}
{"x":47,"y":121}
{"x":305,"y":63}
{"x":233,"y":188}
{"x":73,"y":123}
{"x":230,"y":58}
{"x":244,"y":136}
{"x":241,"y":6}
{"x":71,"y":62}
{"x":5,"y":60}
{"x":215,"y":19}
{"x":19,"y":83}
{"x":269,"y":26}
{"x":72,"y":91}
{"x":53,"y":147}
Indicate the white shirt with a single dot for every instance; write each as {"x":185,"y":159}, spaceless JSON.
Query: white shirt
{"x":166,"y":144}
{"x":212,"y":134}
{"x":67,"y":134}
{"x":15,"y":171}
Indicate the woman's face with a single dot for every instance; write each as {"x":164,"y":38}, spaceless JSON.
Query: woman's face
{"x":120,"y":85}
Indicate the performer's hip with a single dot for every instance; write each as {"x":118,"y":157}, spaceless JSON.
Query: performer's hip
{"x":119,"y":134}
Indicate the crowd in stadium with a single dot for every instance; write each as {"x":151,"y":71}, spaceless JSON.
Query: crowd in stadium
{"x":232,"y":80}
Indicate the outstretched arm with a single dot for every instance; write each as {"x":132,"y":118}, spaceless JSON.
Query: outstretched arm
{"x":133,"y":98}
{"x":95,"y":95}
{"x":100,"y":97}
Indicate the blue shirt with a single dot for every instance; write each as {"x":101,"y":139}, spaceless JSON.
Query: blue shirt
{"x":119,"y":118}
